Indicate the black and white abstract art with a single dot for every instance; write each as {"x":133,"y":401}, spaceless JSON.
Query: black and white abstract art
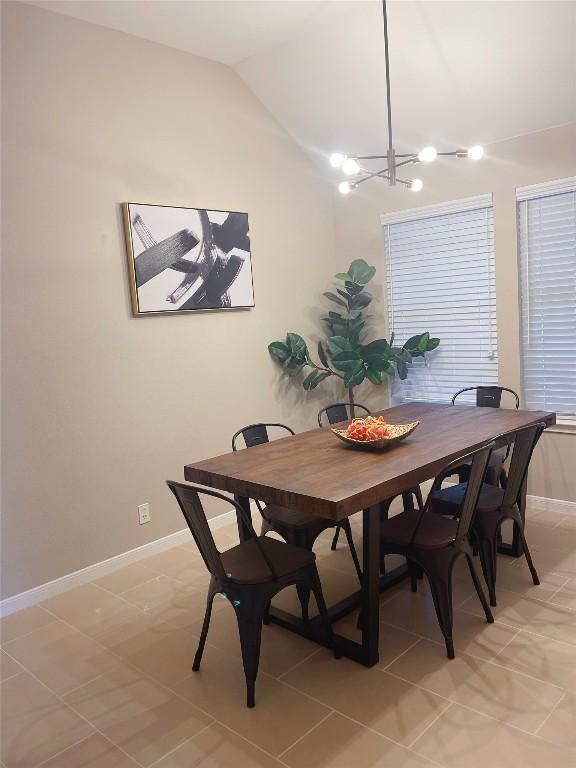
{"x":187,"y":259}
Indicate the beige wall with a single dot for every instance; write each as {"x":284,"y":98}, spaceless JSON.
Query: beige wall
{"x":518,"y":162}
{"x":99,"y":407}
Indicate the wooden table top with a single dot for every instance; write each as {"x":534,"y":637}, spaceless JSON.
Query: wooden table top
{"x":317,"y":473}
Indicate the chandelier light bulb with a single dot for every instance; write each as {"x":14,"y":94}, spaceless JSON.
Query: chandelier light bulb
{"x":344,"y":187}
{"x":350,"y":166}
{"x":427,"y":155}
{"x":476,"y":152}
{"x":336,"y":159}
{"x":416,"y":185}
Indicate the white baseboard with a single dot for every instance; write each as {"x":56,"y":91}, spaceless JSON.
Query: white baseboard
{"x":97,"y":570}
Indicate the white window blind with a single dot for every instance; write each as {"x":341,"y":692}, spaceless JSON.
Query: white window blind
{"x":440,"y":278}
{"x":547,"y":253}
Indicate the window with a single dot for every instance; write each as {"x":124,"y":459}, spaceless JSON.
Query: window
{"x":547,"y":253}
{"x":440,"y":278}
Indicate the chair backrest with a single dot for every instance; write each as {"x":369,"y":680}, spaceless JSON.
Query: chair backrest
{"x":488,"y":397}
{"x":478,"y":463}
{"x":524,"y":443}
{"x":341,"y":412}
{"x":254,"y":434}
{"x":188,"y":498}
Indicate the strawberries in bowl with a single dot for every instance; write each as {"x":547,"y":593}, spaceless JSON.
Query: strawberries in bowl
{"x":370,"y":428}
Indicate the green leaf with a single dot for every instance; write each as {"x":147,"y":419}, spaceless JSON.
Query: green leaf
{"x":360,"y":301}
{"x":355,"y":376}
{"x":322,"y":355}
{"x":353,"y":288}
{"x":378,"y":362}
{"x":335,"y":316}
{"x":402,"y":369}
{"x":360,"y":272}
{"x":344,"y":295}
{"x":338,"y":344}
{"x":335,"y":299}
{"x":432,"y":344}
{"x":342,"y":276}
{"x":294,"y":371}
{"x":374,"y":376}
{"x":345,"y":361}
{"x":309,"y":380}
{"x":296,"y":345}
{"x":413,"y":342}
{"x":320,"y":377}
{"x":279,"y":350}
{"x":423,"y":343}
{"x":376,"y":347}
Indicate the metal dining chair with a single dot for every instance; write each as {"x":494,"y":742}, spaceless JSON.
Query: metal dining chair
{"x":297,"y":528}
{"x":491,"y":397}
{"x":338,"y":412}
{"x":432,"y":544}
{"x":495,"y":505}
{"x":248,"y":576}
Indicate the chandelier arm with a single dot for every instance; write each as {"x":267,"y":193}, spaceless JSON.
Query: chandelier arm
{"x":387,"y":59}
{"x":404,"y":162}
{"x":383,"y":174}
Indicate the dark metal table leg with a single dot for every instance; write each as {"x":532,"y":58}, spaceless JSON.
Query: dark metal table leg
{"x":243,"y":531}
{"x":371,"y":585}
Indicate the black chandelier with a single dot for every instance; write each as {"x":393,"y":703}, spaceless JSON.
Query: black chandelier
{"x":350,"y":164}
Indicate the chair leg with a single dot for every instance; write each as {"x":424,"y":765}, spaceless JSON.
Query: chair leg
{"x":348,"y":532}
{"x":527,"y":554}
{"x":204,"y":632}
{"x":250,"y":628}
{"x":440,"y":579}
{"x":419,"y":499}
{"x":335,"y":539}
{"x":478,"y":588}
{"x":413,"y":571}
{"x":487,"y":550}
{"x":304,"y":597}
{"x":316,"y":587}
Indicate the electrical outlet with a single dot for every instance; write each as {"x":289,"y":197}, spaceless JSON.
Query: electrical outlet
{"x":144,"y":513}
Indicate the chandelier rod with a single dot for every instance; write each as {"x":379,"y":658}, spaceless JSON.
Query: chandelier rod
{"x":387,"y":58}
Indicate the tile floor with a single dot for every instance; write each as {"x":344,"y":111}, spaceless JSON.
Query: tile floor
{"x":100,"y":677}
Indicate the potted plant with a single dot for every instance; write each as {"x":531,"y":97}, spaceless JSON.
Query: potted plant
{"x":345,"y":354}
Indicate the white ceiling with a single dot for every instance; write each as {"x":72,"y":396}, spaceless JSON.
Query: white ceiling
{"x":462,"y":72}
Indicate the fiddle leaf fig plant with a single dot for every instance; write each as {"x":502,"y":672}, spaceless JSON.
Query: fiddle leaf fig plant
{"x":344,"y":353}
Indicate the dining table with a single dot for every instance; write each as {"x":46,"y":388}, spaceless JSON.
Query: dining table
{"x":317,"y":473}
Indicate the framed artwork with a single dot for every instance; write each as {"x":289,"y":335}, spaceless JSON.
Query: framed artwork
{"x":187,"y":259}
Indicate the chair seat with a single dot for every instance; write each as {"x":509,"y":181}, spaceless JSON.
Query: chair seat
{"x":434,"y":531}
{"x":290,"y":517}
{"x":447,"y":501}
{"x":244,"y":564}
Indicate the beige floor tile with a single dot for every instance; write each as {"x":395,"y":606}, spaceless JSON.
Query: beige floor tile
{"x":165,"y":656}
{"x":86,"y":608}
{"x":22,"y":622}
{"x":143,"y":718}
{"x":555,"y":537}
{"x":179,"y":563}
{"x":384,"y":703}
{"x":516,"y":577}
{"x":125,"y":578}
{"x":170,"y":600}
{"x":495,"y":691}
{"x":566,"y":595}
{"x":461,"y":738}
{"x":560,"y":728}
{"x":546,"y":619}
{"x":8,"y":666}
{"x":561,"y":560}
{"x":340,"y":743}
{"x":280,"y":650}
{"x":392,"y":641}
{"x":218,"y":747}
{"x":541,"y":657}
{"x":35,"y":723}
{"x":93,"y":752}
{"x":281,"y":714}
{"x":119,"y":629}
{"x":416,"y":613}
{"x":61,"y":657}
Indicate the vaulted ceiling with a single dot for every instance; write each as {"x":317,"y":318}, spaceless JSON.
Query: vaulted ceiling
{"x":462,"y":72}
